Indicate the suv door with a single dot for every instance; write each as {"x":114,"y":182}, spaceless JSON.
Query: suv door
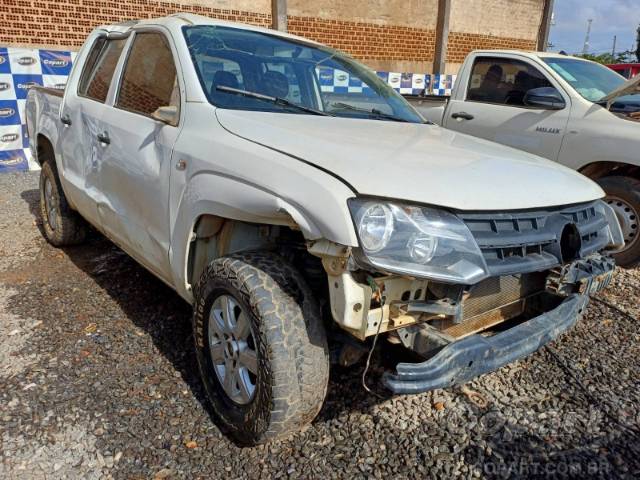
{"x":492,"y":107}
{"x":137,"y":159}
{"x":82,"y":107}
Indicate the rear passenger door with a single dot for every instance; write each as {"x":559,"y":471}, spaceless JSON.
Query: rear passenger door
{"x":137,"y":160}
{"x":80,"y":113}
{"x":492,"y":107}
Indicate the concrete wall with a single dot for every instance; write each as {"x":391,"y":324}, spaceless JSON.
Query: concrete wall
{"x":476,"y":24}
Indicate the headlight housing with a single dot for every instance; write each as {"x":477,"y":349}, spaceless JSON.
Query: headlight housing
{"x":417,"y":241}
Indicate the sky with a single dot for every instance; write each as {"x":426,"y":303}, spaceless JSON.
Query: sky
{"x":610,"y":17}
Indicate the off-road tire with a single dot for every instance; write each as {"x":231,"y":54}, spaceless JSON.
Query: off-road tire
{"x":627,"y":189}
{"x":291,"y":345}
{"x":70,"y":228}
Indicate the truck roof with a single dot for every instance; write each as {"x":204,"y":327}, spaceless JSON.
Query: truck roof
{"x":178,"y":20}
{"x":528,"y":53}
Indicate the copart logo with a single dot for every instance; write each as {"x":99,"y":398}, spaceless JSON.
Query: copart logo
{"x":326,"y":75}
{"x":24,"y":86}
{"x":342,"y":77}
{"x":9,"y":137}
{"x":418,"y":81}
{"x":60,"y":86}
{"x":55,"y":63}
{"x":7,"y":112}
{"x":26,"y":61}
{"x":4,"y":85}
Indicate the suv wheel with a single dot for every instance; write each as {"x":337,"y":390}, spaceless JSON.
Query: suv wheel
{"x":261,"y":346}
{"x":62,"y":226}
{"x":623,"y":195}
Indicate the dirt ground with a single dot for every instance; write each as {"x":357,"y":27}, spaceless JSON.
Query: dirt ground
{"x":98,"y":380}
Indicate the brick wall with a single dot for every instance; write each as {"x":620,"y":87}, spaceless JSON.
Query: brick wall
{"x":460,"y":44}
{"x":66,"y":23}
{"x":390,"y":35}
{"x":368,"y":40}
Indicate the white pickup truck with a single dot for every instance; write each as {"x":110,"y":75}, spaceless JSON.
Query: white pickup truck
{"x":294,"y":215}
{"x":567,"y":109}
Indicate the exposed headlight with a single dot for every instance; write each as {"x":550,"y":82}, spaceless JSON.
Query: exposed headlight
{"x":375,"y":227}
{"x":417,"y":241}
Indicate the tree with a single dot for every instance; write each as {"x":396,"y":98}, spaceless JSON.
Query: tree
{"x":607,"y":58}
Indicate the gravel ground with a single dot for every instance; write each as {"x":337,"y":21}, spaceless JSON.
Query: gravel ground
{"x":98,"y":380}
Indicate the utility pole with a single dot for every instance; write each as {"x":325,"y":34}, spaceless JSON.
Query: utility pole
{"x":546,"y":23}
{"x":279,"y":15}
{"x":613,"y":50}
{"x":585,"y":48}
{"x":442,"y":36}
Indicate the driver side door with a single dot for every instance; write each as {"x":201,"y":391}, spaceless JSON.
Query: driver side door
{"x":492,"y":107}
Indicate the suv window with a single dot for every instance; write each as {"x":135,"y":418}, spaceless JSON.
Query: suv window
{"x":503,"y":81}
{"x":149,"y":80}
{"x":99,"y":67}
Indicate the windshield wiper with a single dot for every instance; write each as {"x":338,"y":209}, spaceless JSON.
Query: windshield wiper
{"x":373,"y":111}
{"x":276,"y":100}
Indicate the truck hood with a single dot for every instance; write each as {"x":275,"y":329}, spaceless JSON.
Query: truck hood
{"x":630,"y":87}
{"x":415,"y":162}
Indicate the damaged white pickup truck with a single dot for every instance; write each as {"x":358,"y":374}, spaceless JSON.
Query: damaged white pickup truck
{"x":297,"y":201}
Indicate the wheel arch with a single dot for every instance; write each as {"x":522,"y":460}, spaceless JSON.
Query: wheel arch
{"x":221,"y":215}
{"x":43,"y":144}
{"x":600,"y":169}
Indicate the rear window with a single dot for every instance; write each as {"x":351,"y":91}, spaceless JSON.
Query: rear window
{"x":99,"y":67}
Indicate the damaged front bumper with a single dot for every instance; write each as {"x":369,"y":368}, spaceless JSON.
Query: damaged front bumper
{"x":475,"y":355}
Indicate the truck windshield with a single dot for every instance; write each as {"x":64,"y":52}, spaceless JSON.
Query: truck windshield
{"x":301,"y":73}
{"x":591,"y":80}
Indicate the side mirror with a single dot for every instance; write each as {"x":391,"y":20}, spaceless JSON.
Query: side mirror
{"x":168,"y":115}
{"x":545,"y":97}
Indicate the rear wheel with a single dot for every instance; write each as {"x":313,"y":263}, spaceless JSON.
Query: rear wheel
{"x":623,"y":195}
{"x":62,"y":226}
{"x":261,"y":346}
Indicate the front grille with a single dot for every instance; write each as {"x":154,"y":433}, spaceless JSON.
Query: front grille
{"x":518,"y":242}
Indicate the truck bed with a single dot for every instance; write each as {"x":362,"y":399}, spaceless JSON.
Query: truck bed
{"x":43,"y":115}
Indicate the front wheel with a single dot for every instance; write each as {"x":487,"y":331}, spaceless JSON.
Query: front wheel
{"x":261,"y":346}
{"x":623,"y":195}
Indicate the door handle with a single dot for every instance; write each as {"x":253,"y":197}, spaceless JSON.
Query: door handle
{"x":104,"y":138}
{"x":66,"y":119}
{"x":462,"y":116}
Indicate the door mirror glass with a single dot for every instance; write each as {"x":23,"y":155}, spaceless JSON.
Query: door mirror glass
{"x":168,"y":114}
{"x":546,"y":97}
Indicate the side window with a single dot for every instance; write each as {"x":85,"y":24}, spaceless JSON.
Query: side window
{"x":149,"y":80}
{"x":99,"y":67}
{"x":503,"y":81}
